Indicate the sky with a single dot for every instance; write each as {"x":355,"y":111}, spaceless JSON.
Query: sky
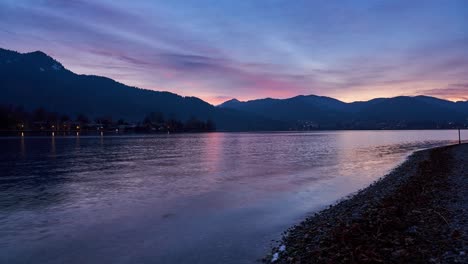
{"x":219,"y":50}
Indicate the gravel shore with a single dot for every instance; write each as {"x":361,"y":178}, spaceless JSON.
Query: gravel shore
{"x":418,"y":213}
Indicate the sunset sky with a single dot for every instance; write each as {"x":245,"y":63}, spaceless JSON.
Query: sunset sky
{"x":218,"y":50}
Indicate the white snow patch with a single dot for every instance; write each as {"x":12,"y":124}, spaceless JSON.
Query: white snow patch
{"x":56,"y":67}
{"x":282,"y":248}
{"x":275,"y":257}
{"x":41,"y":69}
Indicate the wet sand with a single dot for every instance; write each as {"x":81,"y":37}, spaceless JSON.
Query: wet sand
{"x":418,"y":213}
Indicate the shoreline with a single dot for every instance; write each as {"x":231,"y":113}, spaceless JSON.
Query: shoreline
{"x":415,"y":213}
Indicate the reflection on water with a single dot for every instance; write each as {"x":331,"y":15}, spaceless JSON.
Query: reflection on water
{"x":198,"y":198}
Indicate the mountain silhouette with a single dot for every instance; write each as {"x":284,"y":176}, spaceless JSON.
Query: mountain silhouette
{"x":326,"y":112}
{"x":314,"y":108}
{"x":35,"y":80}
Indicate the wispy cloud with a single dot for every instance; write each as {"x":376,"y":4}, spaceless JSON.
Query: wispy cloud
{"x":457,"y":91}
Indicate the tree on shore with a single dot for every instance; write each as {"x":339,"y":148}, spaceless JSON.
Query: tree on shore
{"x":17,"y":119}
{"x":82,"y":119}
{"x":39,"y":115}
{"x":154,"y":118}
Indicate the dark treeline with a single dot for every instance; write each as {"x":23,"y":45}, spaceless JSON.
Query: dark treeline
{"x":16,"y":118}
{"x":155,"y":121}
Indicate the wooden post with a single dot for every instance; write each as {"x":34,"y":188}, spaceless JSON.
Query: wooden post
{"x":459,"y":137}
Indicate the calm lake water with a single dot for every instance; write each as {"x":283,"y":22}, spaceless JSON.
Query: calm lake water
{"x":186,"y":198}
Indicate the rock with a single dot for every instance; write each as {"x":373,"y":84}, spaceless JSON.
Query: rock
{"x":412,"y":229}
{"x":275,"y":257}
{"x":399,"y":253}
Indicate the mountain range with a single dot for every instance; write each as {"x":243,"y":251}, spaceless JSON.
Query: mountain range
{"x":35,"y":80}
{"x":327,"y":113}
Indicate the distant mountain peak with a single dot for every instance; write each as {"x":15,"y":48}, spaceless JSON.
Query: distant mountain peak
{"x":233,"y":100}
{"x":43,"y":61}
{"x":37,"y":53}
{"x":230,"y":102}
{"x":6,"y":51}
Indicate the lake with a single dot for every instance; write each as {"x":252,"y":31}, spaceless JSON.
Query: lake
{"x":181,"y":198}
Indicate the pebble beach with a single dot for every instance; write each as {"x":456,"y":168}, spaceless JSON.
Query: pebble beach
{"x":418,"y":213}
